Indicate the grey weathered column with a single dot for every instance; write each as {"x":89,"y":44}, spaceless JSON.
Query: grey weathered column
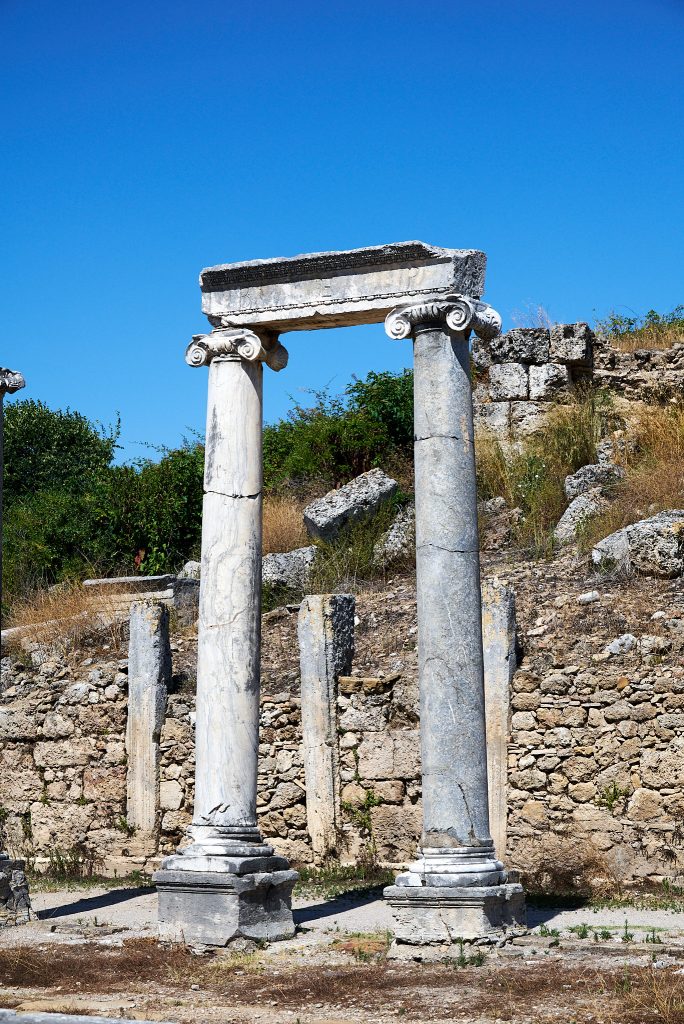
{"x":326,"y":647}
{"x":10,"y":381}
{"x":14,"y":894}
{"x":498,"y":642}
{"x":149,"y":675}
{"x":456,"y":848}
{"x":224,"y":832}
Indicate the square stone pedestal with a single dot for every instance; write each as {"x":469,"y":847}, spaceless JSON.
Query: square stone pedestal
{"x":214,"y":907}
{"x":443,"y":915}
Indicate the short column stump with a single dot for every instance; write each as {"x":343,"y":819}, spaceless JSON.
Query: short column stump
{"x":444,"y":915}
{"x":215,"y":907}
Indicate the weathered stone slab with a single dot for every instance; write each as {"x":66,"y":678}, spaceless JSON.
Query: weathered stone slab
{"x":337,"y":289}
{"x":149,"y":673}
{"x":289,"y":569}
{"x":215,"y":907}
{"x":508,"y":381}
{"x":521,"y":345}
{"x":546,"y":381}
{"x":326,"y":648}
{"x":360,"y":499}
{"x":581,"y":508}
{"x":653,"y":546}
{"x":572,"y":344}
{"x":595,"y":475}
{"x":400,"y":540}
{"x":426,"y":915}
{"x":499,"y":651}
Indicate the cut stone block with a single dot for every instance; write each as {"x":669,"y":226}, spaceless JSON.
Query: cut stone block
{"x":400,"y":540}
{"x":653,"y":546}
{"x":360,"y":499}
{"x":508,"y":381}
{"x":149,"y":675}
{"x":493,"y":417}
{"x":521,"y":345}
{"x":289,"y":569}
{"x":337,"y":289}
{"x":215,"y":907}
{"x":326,"y":644}
{"x":546,"y":381}
{"x":572,"y":344}
{"x":499,"y":650}
{"x":526,"y":417}
{"x":595,"y":475}
{"x":425,"y":915}
{"x":578,"y":511}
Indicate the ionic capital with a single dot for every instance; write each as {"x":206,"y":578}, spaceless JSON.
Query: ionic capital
{"x":10,"y":381}
{"x":458,"y":312}
{"x":236,"y":343}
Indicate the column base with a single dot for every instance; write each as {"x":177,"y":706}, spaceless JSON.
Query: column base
{"x":215,"y":907}
{"x":227,"y":884}
{"x":444,"y":915}
{"x":15,"y":902}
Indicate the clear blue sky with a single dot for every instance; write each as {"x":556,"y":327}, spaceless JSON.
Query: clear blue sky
{"x":143,"y":141}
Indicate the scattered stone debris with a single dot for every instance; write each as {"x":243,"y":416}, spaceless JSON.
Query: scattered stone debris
{"x":653,"y":546}
{"x":360,"y":499}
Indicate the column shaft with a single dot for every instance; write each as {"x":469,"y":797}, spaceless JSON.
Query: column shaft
{"x":229,"y":639}
{"x":450,"y":664}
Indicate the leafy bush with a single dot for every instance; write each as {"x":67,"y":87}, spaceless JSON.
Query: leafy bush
{"x":336,"y":439}
{"x":652,"y":331}
{"x":531,"y":476}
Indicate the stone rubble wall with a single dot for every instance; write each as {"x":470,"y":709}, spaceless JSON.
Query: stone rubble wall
{"x":595,"y":755}
{"x":520,"y":374}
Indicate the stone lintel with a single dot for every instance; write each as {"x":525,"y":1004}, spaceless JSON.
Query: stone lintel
{"x":337,"y":289}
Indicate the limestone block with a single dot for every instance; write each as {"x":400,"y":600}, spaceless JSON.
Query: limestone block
{"x":191,"y":571}
{"x":548,"y":380}
{"x":354,"y":795}
{"x":367,"y":718}
{"x":360,"y":499}
{"x":588,"y":477}
{"x":572,"y":344}
{"x":170,"y":795}
{"x":336,"y":289}
{"x":390,"y":792}
{"x":105,"y":784}
{"x":286,"y":794}
{"x":396,"y":830}
{"x":289,"y":569}
{"x":60,"y":825}
{"x":644,"y":805}
{"x":508,"y":381}
{"x":56,"y":726}
{"x":399,"y":541}
{"x":526,"y":417}
{"x":582,"y":791}
{"x":581,"y":509}
{"x":493,"y":417}
{"x":63,"y":754}
{"x":215,"y":907}
{"x":499,"y":653}
{"x":21,"y":783}
{"x":17,"y":725}
{"x":149,"y":673}
{"x":391,"y":755}
{"x":325,"y":631}
{"x":521,"y":345}
{"x":653,"y":546}
{"x":662,"y":769}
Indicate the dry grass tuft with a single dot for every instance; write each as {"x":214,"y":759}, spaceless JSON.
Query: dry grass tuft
{"x":283,"y":524}
{"x":63,"y":617}
{"x":555,"y":866}
{"x":654,"y":479}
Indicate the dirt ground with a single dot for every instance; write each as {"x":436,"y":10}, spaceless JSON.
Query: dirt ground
{"x":94,"y":951}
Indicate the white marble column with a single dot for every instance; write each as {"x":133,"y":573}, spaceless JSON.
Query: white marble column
{"x":456,"y":847}
{"x":229,"y":633}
